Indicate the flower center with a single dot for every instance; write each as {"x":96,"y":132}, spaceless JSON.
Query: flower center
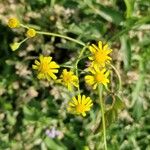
{"x":80,"y":108}
{"x":99,"y":77}
{"x":67,"y":78}
{"x":100,"y":56}
{"x":43,"y":67}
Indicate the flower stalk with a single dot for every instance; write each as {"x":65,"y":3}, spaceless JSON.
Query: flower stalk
{"x":100,"y":91}
{"x":76,"y":64}
{"x":61,"y":36}
{"x":119,"y":77}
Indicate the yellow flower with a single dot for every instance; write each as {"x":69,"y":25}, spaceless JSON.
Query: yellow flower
{"x":99,"y":76}
{"x":31,"y":33}
{"x":100,"y":54}
{"x":13,"y":23}
{"x":69,"y":79}
{"x":46,"y":68}
{"x":80,"y":105}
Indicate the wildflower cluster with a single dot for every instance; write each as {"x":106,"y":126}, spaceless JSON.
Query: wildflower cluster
{"x":30,"y":33}
{"x":47,"y":69}
{"x":99,"y":60}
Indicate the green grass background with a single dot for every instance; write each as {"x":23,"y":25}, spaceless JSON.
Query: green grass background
{"x":28,"y":106}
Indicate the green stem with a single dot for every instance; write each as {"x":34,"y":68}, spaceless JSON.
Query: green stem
{"x":61,"y":36}
{"x":24,"y":26}
{"x":76,"y":64}
{"x":100,"y":91}
{"x":24,"y":40}
{"x":119,"y":77}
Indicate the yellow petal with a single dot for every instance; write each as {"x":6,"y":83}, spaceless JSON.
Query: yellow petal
{"x":72,"y":104}
{"x":53,"y":65}
{"x":91,"y":58}
{"x":34,"y":66}
{"x":79,"y":99}
{"x":75,"y":100}
{"x":100,"y":45}
{"x":37,"y":62}
{"x":92,"y":49}
{"x":94,"y":46}
{"x":105,"y":47}
{"x":95,"y":86}
{"x":83,"y":114}
{"x":41,"y":76}
{"x":107,"y":74}
{"x":52,"y":76}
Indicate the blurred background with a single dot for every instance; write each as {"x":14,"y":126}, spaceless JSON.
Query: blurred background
{"x":33,"y":113}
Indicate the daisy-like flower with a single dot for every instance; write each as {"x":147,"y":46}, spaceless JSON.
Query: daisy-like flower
{"x":13,"y":23}
{"x":69,"y":79}
{"x":80,"y":105}
{"x":46,"y":67}
{"x":30,"y":33}
{"x":100,"y":54}
{"x":98,"y":76}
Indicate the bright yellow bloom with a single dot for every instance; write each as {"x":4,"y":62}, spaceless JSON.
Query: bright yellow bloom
{"x":46,"y":68}
{"x":99,"y":76}
{"x":13,"y":23}
{"x":80,"y":105}
{"x":100,"y":54}
{"x":69,"y":79}
{"x":31,"y":33}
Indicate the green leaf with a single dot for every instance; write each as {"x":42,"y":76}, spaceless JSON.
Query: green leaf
{"x":110,"y":116}
{"x":118,"y":104}
{"x":107,"y":13}
{"x":114,"y":102}
{"x":129,"y":7}
{"x":138,"y":109}
{"x":115,"y":105}
{"x":31,"y":113}
{"x":52,"y":145}
{"x":126,"y":50}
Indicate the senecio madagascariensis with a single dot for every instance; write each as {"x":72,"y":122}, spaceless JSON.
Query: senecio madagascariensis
{"x":30,"y":33}
{"x":100,"y":54}
{"x":98,"y":76}
{"x":68,"y":79}
{"x":13,"y":23}
{"x":46,"y":68}
{"x":80,"y":105}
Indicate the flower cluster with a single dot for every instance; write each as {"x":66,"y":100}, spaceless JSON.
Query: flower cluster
{"x":30,"y":33}
{"x":99,"y":59}
{"x":47,"y":69}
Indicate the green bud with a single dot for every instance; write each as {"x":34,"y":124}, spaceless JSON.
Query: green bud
{"x":15,"y":46}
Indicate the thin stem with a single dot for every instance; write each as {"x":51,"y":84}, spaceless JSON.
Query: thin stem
{"x":24,"y":26}
{"x":76,"y":64}
{"x":119,"y":77}
{"x":100,"y":91}
{"x":61,"y":36}
{"x":24,"y":40}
